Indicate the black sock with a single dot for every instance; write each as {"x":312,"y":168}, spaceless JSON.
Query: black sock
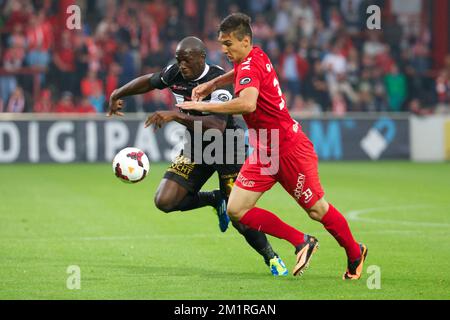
{"x":257,"y":240}
{"x":197,"y":200}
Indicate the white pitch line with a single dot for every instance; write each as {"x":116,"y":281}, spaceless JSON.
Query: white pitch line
{"x":355,"y":215}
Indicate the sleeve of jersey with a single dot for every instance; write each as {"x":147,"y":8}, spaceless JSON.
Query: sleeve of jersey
{"x":161,"y":80}
{"x":220,"y":96}
{"x":247,"y":76}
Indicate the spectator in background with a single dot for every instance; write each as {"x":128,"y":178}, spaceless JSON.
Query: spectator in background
{"x":396,"y":89}
{"x":13,"y":60}
{"x":379,"y":90}
{"x":335,"y":65}
{"x":416,"y":107}
{"x":66,"y":104}
{"x":112,"y":78}
{"x":39,"y":39}
{"x":16,"y":103}
{"x":350,"y":14}
{"x":149,"y":38}
{"x":138,"y":34}
{"x":336,"y":21}
{"x":91,"y":84}
{"x":175,"y":28}
{"x":353,"y":68}
{"x":338,"y":105}
{"x":155,"y":101}
{"x":18,"y":12}
{"x":312,"y":108}
{"x":97,"y":100}
{"x":81,"y":61}
{"x":262,"y":31}
{"x":64,"y":63}
{"x":85,"y":106}
{"x":293,"y":69}
{"x":155,"y":59}
{"x":126,"y":61}
{"x":44,"y":104}
{"x":214,"y":53}
{"x":318,"y":87}
{"x":366,"y":93}
{"x":373,"y":46}
{"x":443,"y":92}
{"x":304,"y":19}
{"x":282,"y":21}
{"x":17,"y":38}
{"x":393,"y":33}
{"x":258,"y":7}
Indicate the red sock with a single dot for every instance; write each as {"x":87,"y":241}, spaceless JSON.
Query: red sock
{"x":269,"y":223}
{"x":336,"y":224}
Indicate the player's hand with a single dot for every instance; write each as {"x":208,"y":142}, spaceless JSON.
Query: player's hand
{"x":191,"y":105}
{"x":159,"y":118}
{"x":115,"y":106}
{"x":202,"y":91}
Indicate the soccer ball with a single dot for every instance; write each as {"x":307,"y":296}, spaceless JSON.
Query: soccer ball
{"x":131,"y":165}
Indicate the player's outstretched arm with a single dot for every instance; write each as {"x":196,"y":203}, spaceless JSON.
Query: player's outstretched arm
{"x":159,"y":118}
{"x":137,"y":86}
{"x":205,"y":89}
{"x":245,"y":103}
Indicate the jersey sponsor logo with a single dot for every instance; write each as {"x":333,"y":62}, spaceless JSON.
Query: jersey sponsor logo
{"x":299,"y":187}
{"x":245,"y":182}
{"x":245,"y":81}
{"x":223,"y":97}
{"x":308,"y":195}
{"x":177,"y":87}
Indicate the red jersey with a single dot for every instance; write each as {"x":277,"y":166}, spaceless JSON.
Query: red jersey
{"x":271,"y":112}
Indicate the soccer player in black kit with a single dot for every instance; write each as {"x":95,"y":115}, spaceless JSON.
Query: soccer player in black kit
{"x":180,"y":188}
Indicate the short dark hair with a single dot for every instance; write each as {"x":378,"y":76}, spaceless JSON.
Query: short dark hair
{"x":239,"y":23}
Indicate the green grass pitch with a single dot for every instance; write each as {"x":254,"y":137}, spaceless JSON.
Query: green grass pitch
{"x":56,"y":216}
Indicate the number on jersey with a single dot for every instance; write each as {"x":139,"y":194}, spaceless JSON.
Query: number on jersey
{"x":276,"y":84}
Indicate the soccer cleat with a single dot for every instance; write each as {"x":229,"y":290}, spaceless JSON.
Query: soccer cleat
{"x":354,"y":269}
{"x":304,"y":253}
{"x":277,"y":267}
{"x":221,"y":210}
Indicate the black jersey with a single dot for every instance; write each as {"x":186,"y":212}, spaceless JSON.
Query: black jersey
{"x":171,"y":78}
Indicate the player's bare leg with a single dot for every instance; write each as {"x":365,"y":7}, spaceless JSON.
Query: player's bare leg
{"x":337,"y":226}
{"x":241,"y":207}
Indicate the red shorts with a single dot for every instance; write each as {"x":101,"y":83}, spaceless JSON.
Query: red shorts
{"x":297,"y":172}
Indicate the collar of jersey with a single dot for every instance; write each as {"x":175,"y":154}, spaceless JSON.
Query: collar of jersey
{"x":204,"y":72}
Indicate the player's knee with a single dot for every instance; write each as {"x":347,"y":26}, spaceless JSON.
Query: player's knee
{"x":319,"y":210}
{"x":235,"y":213}
{"x":315,"y":215}
{"x":164,"y":204}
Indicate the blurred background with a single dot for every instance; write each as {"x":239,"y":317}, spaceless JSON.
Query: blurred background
{"x":376,"y":94}
{"x":324,"y":53}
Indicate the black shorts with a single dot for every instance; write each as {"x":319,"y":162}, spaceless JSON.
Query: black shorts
{"x":193,"y":176}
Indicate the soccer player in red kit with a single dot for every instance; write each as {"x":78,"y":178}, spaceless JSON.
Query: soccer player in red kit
{"x":293,"y":161}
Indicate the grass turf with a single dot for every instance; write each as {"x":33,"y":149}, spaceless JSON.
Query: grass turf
{"x":55,"y":216}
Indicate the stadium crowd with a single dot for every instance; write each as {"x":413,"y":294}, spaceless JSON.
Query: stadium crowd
{"x":323,"y":52}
